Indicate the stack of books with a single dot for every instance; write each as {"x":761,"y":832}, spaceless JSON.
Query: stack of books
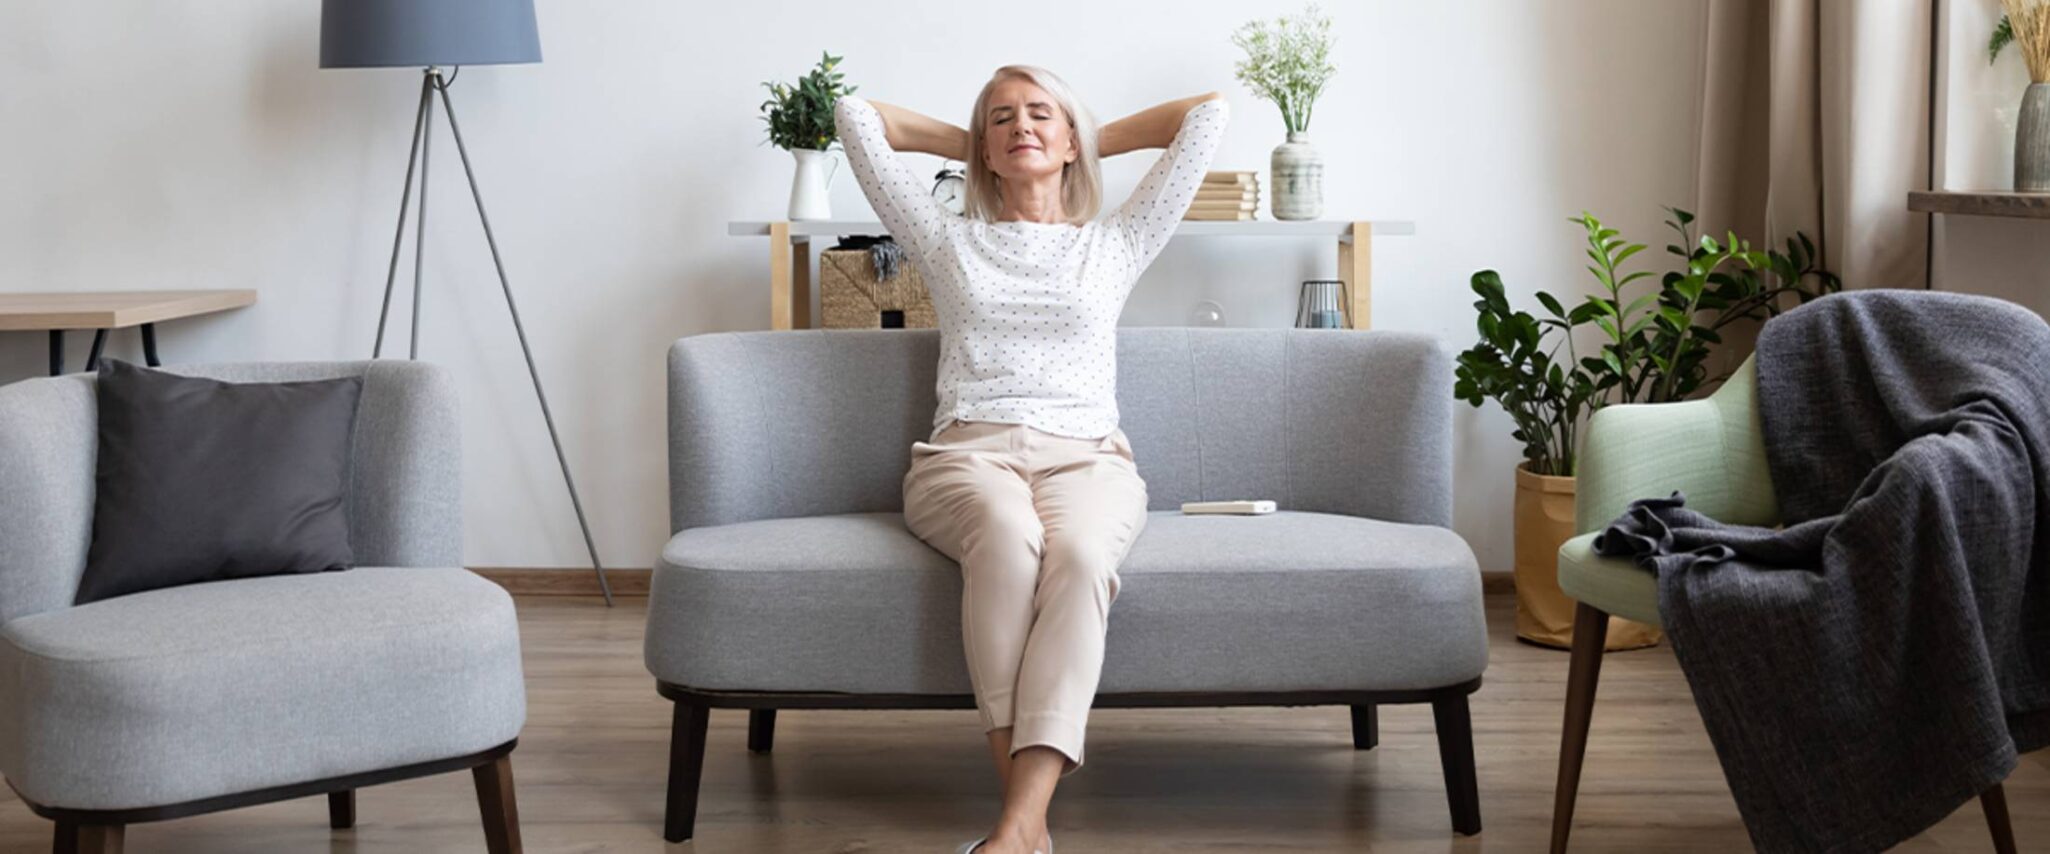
{"x":1226,"y":196}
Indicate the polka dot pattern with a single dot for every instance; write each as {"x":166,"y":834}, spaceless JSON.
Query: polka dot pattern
{"x":1028,"y":311}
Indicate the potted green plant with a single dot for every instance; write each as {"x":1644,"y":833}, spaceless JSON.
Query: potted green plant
{"x":1650,"y":344}
{"x":1288,"y":62}
{"x":800,"y":119}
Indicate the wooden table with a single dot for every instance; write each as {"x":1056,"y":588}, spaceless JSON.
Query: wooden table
{"x":107,"y":310}
{"x":790,"y":255}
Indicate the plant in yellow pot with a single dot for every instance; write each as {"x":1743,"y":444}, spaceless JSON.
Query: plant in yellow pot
{"x":1648,"y":347}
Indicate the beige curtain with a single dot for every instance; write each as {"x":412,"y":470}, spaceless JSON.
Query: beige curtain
{"x":1815,"y":117}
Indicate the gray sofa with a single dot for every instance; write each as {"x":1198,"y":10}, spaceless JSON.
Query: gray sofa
{"x":192,"y":699}
{"x":792,"y":583}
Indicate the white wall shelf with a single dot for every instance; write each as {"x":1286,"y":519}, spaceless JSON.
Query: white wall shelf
{"x":790,"y":254}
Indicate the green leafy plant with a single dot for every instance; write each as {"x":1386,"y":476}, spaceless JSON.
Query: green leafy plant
{"x":1653,"y":345}
{"x":1288,"y":62}
{"x":801,"y":116}
{"x":2003,"y":35}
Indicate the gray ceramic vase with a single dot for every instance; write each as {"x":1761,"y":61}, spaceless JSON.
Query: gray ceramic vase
{"x":2032,"y":141}
{"x":1298,"y":171}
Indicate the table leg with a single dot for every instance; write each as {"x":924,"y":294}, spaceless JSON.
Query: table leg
{"x":56,"y":352}
{"x":149,"y":346}
{"x":92,"y":357}
{"x":782,"y":306}
{"x":800,"y":283}
{"x":1356,"y":269}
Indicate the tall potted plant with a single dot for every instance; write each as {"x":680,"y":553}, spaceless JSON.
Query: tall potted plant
{"x":1289,"y":62}
{"x":1651,"y":344}
{"x":800,"y":120}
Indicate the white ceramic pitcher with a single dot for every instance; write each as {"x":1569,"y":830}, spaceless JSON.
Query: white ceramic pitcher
{"x":808,"y":197}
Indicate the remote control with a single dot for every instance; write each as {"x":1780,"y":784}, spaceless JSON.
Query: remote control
{"x":1228,"y":508}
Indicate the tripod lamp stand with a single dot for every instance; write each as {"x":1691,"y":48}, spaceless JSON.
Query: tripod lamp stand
{"x":431,"y":35}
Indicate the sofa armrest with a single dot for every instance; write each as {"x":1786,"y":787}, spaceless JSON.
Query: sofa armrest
{"x":49,"y":442}
{"x":1710,"y":449}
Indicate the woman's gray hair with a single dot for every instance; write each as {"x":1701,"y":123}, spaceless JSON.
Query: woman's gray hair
{"x":1081,"y":181}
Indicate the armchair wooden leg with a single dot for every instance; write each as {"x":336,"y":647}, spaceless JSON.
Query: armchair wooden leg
{"x":1590,"y":632}
{"x":1995,"y":802}
{"x":66,"y":839}
{"x":761,"y":730}
{"x":341,"y":809}
{"x":686,"y":766}
{"x":1455,"y":751}
{"x":1366,"y":726}
{"x":101,"y":838}
{"x":501,"y":810}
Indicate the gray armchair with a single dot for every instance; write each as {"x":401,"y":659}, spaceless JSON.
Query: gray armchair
{"x":206,"y":697}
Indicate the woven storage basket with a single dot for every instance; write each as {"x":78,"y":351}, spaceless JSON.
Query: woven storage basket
{"x":851,"y":298}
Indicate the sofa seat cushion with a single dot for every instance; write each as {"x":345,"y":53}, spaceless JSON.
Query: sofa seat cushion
{"x":174,"y":695}
{"x":1284,"y":602}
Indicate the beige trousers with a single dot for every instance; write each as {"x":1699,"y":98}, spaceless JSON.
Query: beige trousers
{"x":1039,"y":524}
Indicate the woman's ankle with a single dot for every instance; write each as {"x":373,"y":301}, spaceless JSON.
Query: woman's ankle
{"x":1019,"y":834}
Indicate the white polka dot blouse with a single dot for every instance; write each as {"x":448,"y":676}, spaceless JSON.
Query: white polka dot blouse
{"x":1028,"y":311}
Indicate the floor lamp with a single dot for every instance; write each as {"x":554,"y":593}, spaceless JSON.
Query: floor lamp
{"x":430,"y":35}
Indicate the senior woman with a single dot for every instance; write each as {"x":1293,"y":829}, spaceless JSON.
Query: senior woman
{"x":1026,"y":480}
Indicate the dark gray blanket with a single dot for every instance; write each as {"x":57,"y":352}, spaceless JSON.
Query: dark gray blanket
{"x":1881,"y":659}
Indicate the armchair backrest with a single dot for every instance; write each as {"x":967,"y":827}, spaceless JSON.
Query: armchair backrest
{"x":778,"y":424}
{"x":1711,"y":449}
{"x":405,"y":504}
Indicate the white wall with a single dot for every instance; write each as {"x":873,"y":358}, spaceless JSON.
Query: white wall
{"x":1993,"y":256}
{"x":195,"y":144}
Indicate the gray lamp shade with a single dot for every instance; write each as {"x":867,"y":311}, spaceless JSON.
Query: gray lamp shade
{"x":420,"y":33}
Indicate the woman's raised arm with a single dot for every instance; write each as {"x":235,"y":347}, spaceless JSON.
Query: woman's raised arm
{"x":901,"y":199}
{"x":1153,"y":127}
{"x":911,"y":131}
{"x":1151,"y":215}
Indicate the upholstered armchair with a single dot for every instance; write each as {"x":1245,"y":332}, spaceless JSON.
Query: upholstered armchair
{"x":205,"y":697}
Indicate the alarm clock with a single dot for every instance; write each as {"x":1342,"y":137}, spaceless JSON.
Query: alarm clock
{"x":950,"y":187}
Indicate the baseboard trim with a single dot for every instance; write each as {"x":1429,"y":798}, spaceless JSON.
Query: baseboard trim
{"x":556,"y":581}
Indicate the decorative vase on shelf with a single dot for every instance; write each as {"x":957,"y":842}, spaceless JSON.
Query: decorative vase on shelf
{"x":808,"y":198}
{"x":2032,"y":141}
{"x":1298,"y":171}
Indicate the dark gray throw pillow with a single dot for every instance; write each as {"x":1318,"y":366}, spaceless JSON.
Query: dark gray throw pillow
{"x":201,"y":480}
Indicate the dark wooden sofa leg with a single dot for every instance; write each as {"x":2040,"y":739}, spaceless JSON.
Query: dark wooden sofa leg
{"x":686,"y":765}
{"x":341,"y":809}
{"x":1590,"y":634}
{"x":761,"y":730}
{"x":500,"y":808}
{"x":1366,"y":726}
{"x":1995,"y":802}
{"x":66,"y":839}
{"x":99,"y":838}
{"x":1455,"y":752}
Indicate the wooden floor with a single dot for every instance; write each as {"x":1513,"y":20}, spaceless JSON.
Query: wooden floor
{"x":590,"y":772}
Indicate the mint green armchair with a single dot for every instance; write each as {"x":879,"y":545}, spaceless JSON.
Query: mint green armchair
{"x":1713,"y":451}
{"x":1710,"y":449}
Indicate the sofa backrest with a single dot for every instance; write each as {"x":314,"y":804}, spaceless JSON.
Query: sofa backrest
{"x":815,"y":422}
{"x":405,"y":505}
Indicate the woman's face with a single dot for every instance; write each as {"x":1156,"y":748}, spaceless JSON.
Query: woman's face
{"x":1026,"y":134}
